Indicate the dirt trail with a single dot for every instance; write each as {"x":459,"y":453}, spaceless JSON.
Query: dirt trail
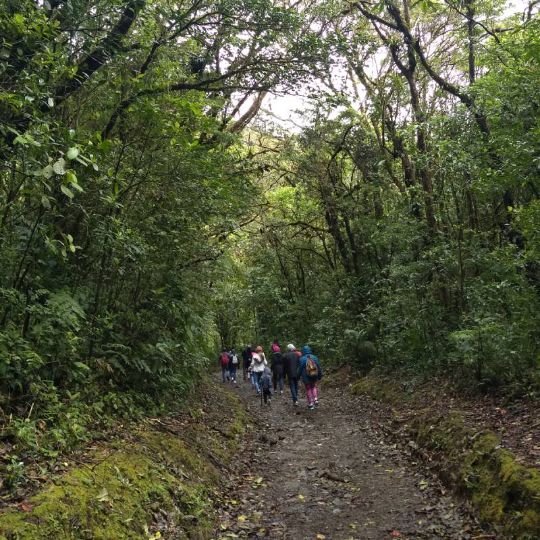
{"x":330,"y":474}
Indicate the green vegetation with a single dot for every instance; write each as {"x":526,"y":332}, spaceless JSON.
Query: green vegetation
{"x":400,"y":227}
{"x":152,"y":483}
{"x":122,"y":174}
{"x":149,"y":213}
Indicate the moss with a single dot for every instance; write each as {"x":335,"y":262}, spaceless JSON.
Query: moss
{"x":440,"y":434}
{"x":503,"y":491}
{"x":388,"y":392}
{"x":106,"y":501}
{"x":177,"y":454}
{"x":119,"y":494}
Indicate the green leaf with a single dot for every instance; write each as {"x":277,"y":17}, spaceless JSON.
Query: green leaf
{"x":81,"y":365}
{"x":71,"y":177}
{"x":66,"y":191}
{"x":59,"y":167}
{"x":72,"y":153}
{"x":47,"y":171}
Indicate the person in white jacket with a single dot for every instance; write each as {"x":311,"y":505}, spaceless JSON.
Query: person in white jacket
{"x":258,"y":363}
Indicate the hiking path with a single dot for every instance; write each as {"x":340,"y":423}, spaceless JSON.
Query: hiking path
{"x":331,"y":474}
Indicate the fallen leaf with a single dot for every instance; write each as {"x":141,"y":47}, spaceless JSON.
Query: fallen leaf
{"x":320,"y":536}
{"x":423,"y":484}
{"x":25,"y":507}
{"x":103,"y":496}
{"x":395,"y":534}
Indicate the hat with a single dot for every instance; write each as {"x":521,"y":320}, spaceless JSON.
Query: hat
{"x":291,"y":347}
{"x":259,"y":349}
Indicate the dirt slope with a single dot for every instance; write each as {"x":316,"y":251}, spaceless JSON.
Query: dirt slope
{"x":330,"y":474}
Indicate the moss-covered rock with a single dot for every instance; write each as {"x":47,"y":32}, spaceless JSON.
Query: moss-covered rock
{"x":503,"y":491}
{"x":153,"y":481}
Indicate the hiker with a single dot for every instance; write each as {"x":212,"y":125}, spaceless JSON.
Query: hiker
{"x":275,"y":346}
{"x":266,"y":385}
{"x":233,"y":365}
{"x":252,"y":375}
{"x":224,"y":363}
{"x":309,"y":370}
{"x":258,"y":363}
{"x":291,"y":361}
{"x":277,"y":371}
{"x":246,"y":358}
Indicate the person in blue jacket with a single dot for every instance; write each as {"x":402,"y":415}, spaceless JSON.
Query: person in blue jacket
{"x":309,"y":370}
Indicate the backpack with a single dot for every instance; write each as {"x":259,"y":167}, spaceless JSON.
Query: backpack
{"x":266,"y":381}
{"x":224,"y":359}
{"x":234,"y":360}
{"x":312,"y":370}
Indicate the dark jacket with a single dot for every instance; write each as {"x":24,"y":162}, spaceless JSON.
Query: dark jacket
{"x":246,"y":357}
{"x":306,"y":351}
{"x":290,"y":364}
{"x":277,"y":363}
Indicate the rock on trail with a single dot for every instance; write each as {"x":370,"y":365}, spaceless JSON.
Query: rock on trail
{"x":329,"y":474}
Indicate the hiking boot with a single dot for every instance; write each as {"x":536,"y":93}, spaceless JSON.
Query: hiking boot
{"x":295,"y":403}
{"x":311,"y":406}
{"x":316,"y":403}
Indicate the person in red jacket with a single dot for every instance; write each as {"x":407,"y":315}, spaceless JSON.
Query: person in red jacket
{"x":223,"y":360}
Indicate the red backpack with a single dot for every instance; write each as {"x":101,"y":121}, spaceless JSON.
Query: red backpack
{"x":224,"y":359}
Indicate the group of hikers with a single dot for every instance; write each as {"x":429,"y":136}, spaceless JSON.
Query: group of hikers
{"x":293,"y":366}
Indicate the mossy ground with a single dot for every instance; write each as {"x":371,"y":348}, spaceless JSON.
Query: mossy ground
{"x":473,"y":462}
{"x":162,"y":478}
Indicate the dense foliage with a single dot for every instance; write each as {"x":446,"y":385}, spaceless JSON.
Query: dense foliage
{"x":401,"y":228}
{"x":142,"y":223}
{"x":121,"y":176}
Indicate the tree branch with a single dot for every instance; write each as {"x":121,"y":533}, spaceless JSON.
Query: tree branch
{"x":108,"y":47}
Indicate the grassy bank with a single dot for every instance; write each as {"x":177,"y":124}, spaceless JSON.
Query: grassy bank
{"x":161,"y":479}
{"x":470,"y":460}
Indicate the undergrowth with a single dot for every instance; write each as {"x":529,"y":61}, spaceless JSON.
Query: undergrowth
{"x":49,"y":422}
{"x":159,"y":479}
